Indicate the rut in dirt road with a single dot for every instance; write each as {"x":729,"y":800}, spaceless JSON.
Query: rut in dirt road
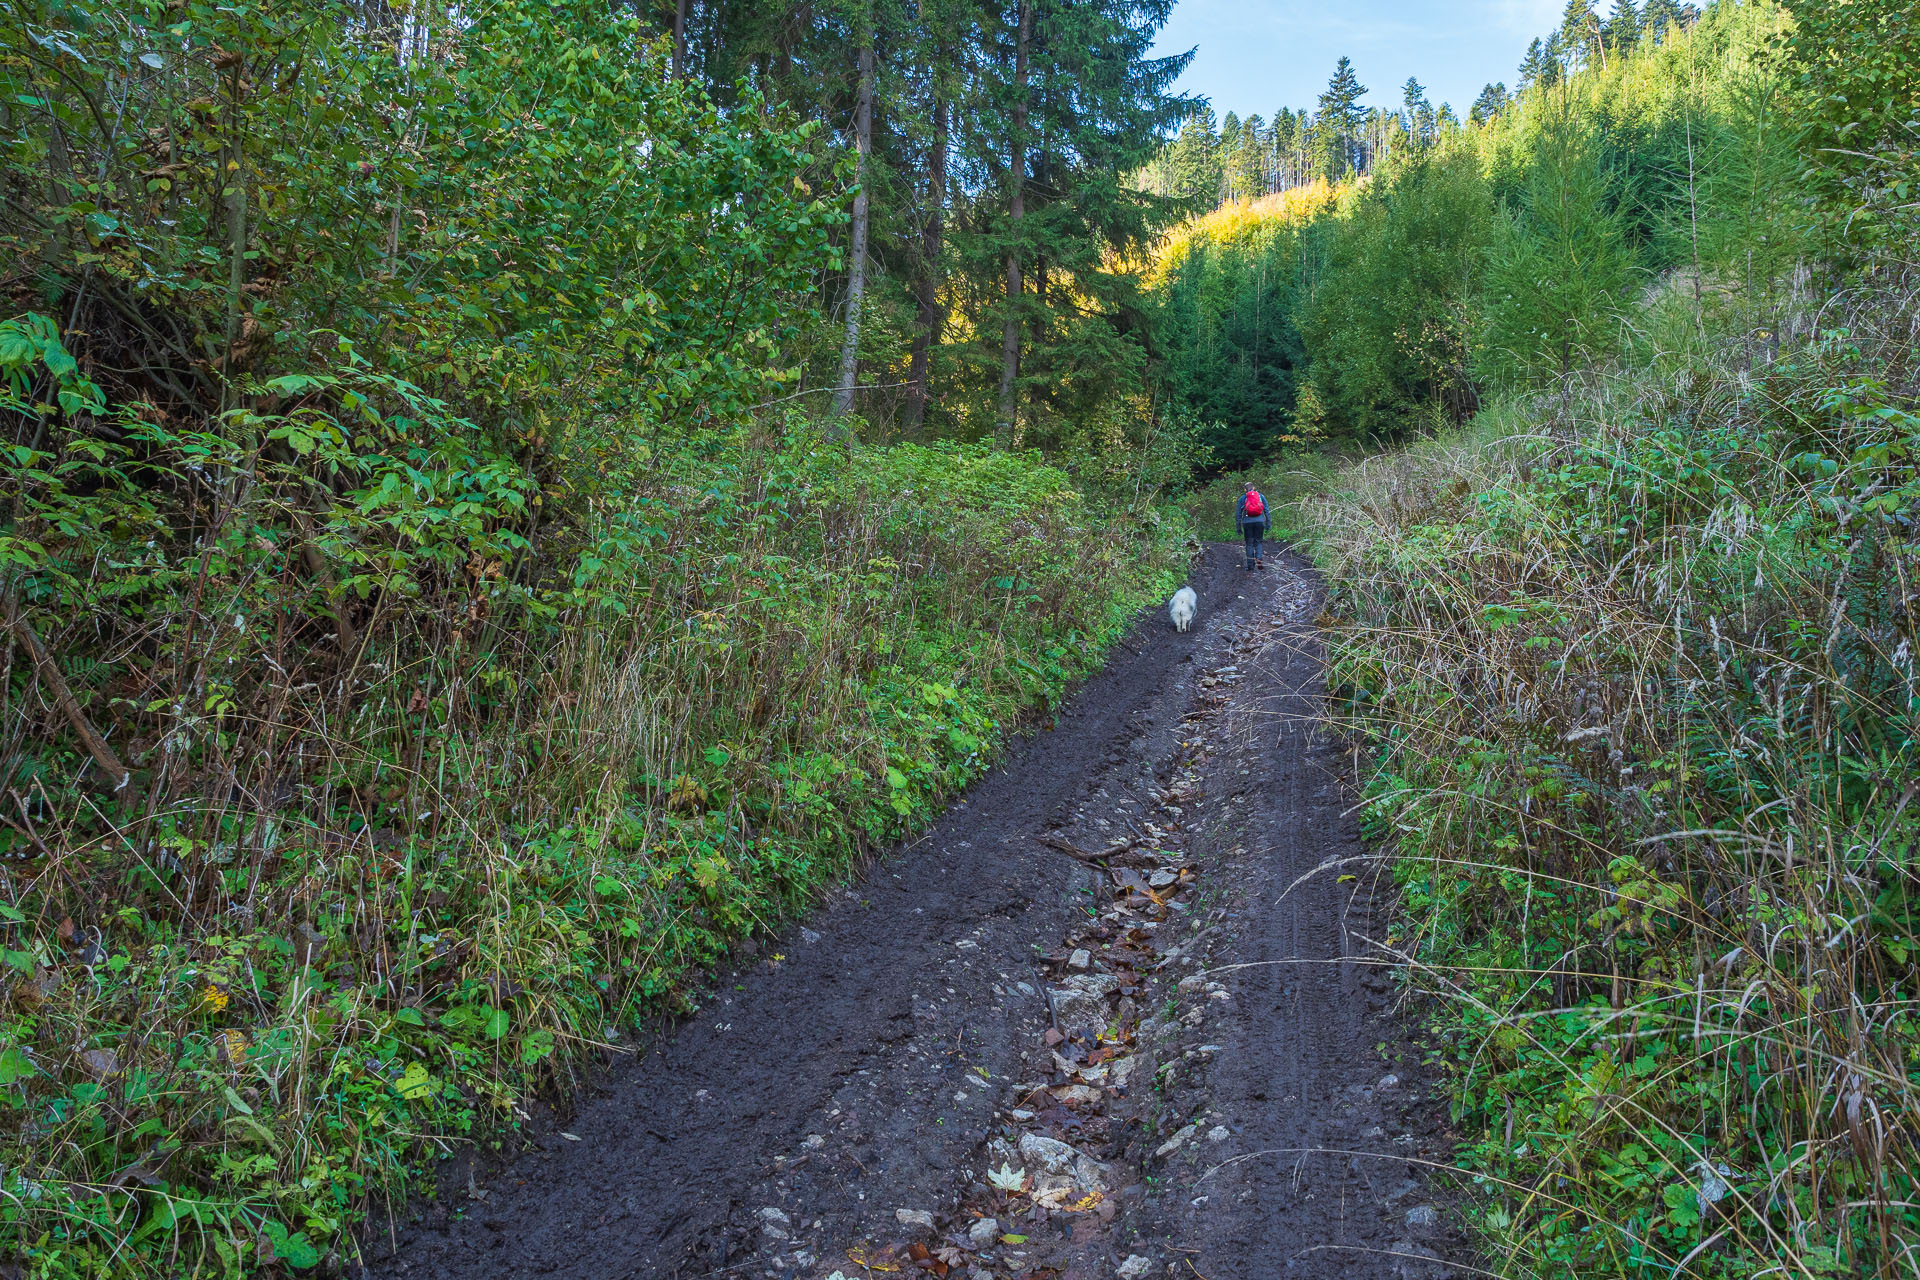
{"x":983,"y":1000}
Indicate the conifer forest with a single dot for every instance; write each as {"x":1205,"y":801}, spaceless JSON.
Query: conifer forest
{"x":586,"y":685}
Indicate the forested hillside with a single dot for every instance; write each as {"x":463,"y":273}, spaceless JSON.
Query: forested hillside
{"x":503,"y":507}
{"x":1382,"y":293}
{"x":1628,"y":631}
{"x":452,"y":592}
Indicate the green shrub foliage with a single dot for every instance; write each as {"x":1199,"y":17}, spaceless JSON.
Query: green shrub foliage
{"x":433,"y":635}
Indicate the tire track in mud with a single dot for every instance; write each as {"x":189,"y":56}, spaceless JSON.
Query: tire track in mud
{"x":984,"y":1008}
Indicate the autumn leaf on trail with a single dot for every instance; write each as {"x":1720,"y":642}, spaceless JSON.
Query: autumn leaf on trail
{"x":922,"y":1257}
{"x":1007,"y":1178}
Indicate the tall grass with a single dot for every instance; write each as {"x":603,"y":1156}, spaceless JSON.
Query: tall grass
{"x":1639,"y":667}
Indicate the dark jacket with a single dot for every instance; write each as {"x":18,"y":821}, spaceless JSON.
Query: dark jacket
{"x":1262,"y":522}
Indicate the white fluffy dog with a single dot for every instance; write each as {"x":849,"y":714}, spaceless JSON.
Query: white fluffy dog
{"x":1181,"y":608}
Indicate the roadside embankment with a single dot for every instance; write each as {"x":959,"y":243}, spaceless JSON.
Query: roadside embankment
{"x":1636,"y":664}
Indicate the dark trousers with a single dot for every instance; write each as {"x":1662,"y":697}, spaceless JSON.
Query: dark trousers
{"x":1254,"y":533}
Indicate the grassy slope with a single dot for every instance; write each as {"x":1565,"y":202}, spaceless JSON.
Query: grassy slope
{"x":504,"y":858}
{"x":1640,"y":668}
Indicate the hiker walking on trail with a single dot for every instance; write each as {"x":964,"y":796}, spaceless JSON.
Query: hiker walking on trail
{"x":1254,"y":522}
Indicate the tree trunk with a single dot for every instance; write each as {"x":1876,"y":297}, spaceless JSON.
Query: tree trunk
{"x":679,"y":38}
{"x":1039,"y":317}
{"x":857,"y":250}
{"x":928,"y":321}
{"x":1016,"y":214}
{"x":235,"y":174}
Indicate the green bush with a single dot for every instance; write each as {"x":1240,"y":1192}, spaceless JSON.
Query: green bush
{"x":352,"y":899}
{"x":428,"y":646}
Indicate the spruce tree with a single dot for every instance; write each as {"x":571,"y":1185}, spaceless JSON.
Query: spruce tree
{"x":1560,"y":266}
{"x":1247,"y":166}
{"x":1580,"y":32}
{"x":1491,"y":103}
{"x":1337,"y":125}
{"x":1623,"y":27}
{"x":1533,"y":67}
{"x":1283,"y":142}
{"x":1553,"y":65}
{"x":1751,"y":223}
{"x":1419,"y":118}
{"x":1657,"y":18}
{"x":1097,"y":107}
{"x":1193,"y":161}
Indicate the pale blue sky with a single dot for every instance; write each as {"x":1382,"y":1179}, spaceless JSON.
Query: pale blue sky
{"x":1256,"y":55}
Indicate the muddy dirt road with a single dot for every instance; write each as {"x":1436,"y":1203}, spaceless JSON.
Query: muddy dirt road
{"x":1092,"y":1025}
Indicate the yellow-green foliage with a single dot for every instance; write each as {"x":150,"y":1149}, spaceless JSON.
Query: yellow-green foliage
{"x":1239,"y":223}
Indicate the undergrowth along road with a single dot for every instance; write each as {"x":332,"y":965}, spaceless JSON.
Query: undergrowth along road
{"x":1087,"y":1026}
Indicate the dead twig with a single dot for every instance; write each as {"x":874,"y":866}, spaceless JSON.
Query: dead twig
{"x":1124,"y":852}
{"x":56,"y":686}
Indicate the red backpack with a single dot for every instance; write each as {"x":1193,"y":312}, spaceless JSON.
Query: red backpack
{"x":1256,"y":505}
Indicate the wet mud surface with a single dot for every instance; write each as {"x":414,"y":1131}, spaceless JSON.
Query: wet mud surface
{"x":1095,"y":1023}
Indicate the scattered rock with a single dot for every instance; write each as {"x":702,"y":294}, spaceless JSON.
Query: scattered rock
{"x":1174,"y":1143}
{"x":983,"y":1233}
{"x":1422,"y":1215}
{"x":1080,"y":959}
{"x":808,"y":935}
{"x":1162,"y":878}
{"x":308,"y":943}
{"x":1081,"y":1002}
{"x":775,"y":1223}
{"x":918,"y":1219}
{"x":1388,"y":1081}
{"x":1135,"y":1267}
{"x":101,"y":1064}
{"x":1067,"y":1174}
{"x":1050,"y":1154}
{"x":1219,"y":1133}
